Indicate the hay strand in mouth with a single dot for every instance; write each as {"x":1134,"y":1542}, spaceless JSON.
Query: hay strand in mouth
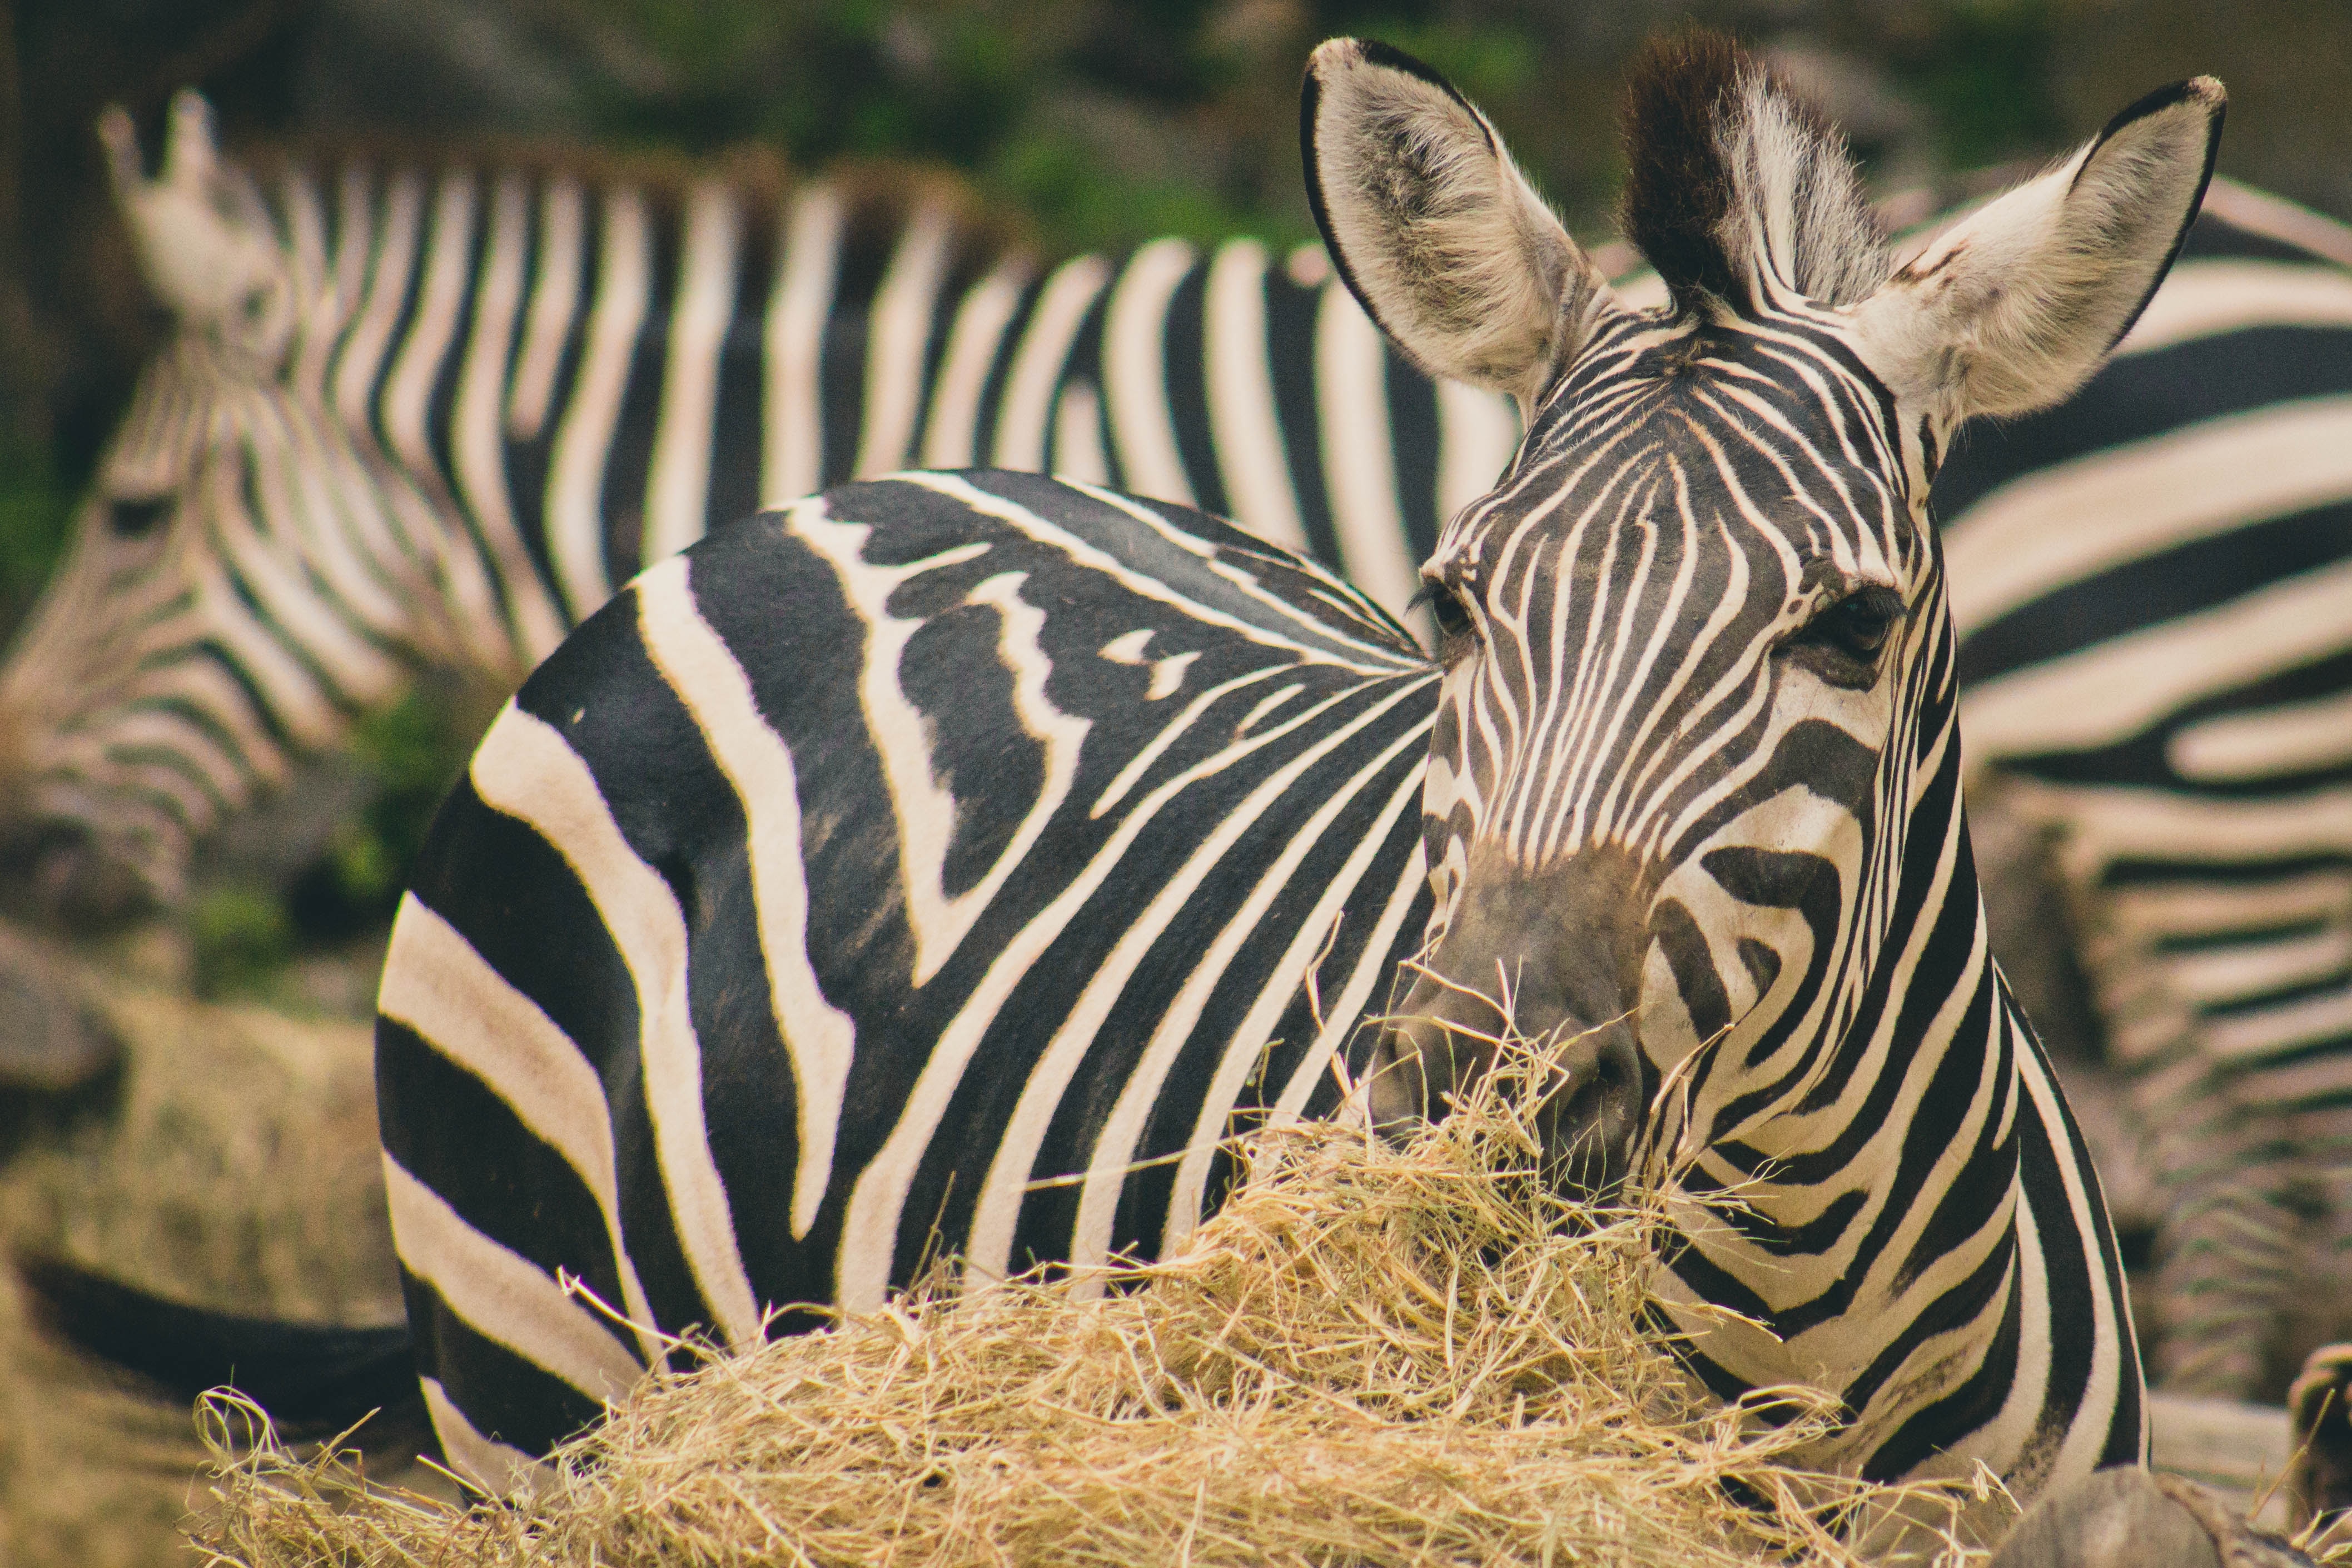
{"x":1371,"y":1356}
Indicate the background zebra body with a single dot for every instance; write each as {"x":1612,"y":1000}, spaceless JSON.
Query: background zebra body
{"x":2153,"y":587}
{"x":489,"y":394}
{"x":493,"y":394}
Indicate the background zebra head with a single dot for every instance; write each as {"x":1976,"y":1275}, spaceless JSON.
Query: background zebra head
{"x":152,"y":693}
{"x":1695,"y":771}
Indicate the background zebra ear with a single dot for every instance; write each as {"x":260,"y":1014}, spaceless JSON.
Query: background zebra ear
{"x":1437,"y":232}
{"x":201,"y":230}
{"x":2012,"y":308}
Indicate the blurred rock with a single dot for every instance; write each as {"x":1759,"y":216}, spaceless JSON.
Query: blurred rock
{"x":2128,"y":1518}
{"x":52,"y":1040}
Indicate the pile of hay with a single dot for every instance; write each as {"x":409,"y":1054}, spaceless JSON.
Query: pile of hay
{"x":234,"y":1166}
{"x":1371,"y":1356}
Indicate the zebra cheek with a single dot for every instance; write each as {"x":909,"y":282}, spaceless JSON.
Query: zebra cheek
{"x":1667,"y":1032}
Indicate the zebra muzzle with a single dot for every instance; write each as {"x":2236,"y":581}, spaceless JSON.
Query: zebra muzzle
{"x":1582,"y":1083}
{"x":1530,"y":986}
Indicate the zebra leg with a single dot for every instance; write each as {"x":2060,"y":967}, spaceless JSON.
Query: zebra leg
{"x":2231,"y":1253}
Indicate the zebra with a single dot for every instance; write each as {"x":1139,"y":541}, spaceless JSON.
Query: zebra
{"x":420,"y":417}
{"x":877,"y":858}
{"x":384,"y":439}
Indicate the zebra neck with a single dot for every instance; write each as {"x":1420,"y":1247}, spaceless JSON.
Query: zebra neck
{"x":1892,"y":1176}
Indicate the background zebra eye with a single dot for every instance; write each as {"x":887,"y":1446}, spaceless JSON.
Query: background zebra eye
{"x":130,"y":518}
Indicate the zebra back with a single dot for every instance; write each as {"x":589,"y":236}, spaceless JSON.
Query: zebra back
{"x":991,"y":825}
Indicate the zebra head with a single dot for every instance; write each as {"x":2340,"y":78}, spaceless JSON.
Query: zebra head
{"x":1695,"y":778}
{"x":147,"y":698}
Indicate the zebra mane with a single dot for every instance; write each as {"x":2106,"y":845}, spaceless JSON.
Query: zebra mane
{"x":877,"y":192}
{"x":1733,"y":174}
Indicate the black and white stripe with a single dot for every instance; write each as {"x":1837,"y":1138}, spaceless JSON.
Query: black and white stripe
{"x":849,"y":871}
{"x":498,"y":392}
{"x":950,"y":861}
{"x":2153,"y":588}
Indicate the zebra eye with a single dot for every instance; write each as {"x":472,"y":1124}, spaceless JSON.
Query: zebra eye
{"x":1453,"y":616}
{"x":1846,"y":638}
{"x":131,"y":519}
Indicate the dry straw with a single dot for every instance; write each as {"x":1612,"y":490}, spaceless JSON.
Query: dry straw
{"x":1372,"y":1355}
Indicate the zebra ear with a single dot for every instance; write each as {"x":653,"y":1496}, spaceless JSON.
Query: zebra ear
{"x":201,"y":230}
{"x":1438,"y":235}
{"x":2011,"y":310}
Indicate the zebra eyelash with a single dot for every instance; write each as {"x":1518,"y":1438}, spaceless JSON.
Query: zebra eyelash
{"x":1446,"y":606}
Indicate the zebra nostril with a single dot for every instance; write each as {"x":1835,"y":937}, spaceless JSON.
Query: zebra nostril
{"x":1592,"y":1118}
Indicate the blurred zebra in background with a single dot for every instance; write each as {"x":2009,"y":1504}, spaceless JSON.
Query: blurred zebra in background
{"x":440,"y":415}
{"x":436,"y":415}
